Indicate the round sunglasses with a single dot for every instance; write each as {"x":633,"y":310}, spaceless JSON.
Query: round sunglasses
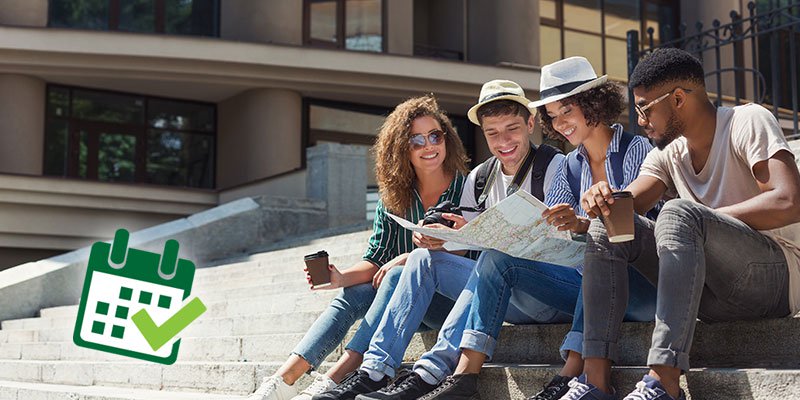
{"x":417,"y":141}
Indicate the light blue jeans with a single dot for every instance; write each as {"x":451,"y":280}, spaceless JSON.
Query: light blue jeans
{"x":426,"y":275}
{"x":706,"y":264}
{"x":522,"y":308}
{"x":354,"y":302}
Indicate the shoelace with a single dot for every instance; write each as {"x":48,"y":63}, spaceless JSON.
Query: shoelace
{"x":576,"y":390}
{"x":549,"y":391}
{"x":268,"y":385}
{"x":642,"y":392}
{"x":349,"y":381}
{"x":318,"y":386}
{"x":405,"y":379}
{"x":449,"y":381}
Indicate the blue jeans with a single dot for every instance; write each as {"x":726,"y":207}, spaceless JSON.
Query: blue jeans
{"x":441,"y":360}
{"x":706,"y":264}
{"x":426,"y":275}
{"x":523,"y":292}
{"x":354,"y":302}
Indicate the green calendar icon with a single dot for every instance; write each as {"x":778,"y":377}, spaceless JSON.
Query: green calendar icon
{"x":127,"y":292}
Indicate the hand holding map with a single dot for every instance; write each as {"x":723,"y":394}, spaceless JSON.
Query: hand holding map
{"x":513,"y":226}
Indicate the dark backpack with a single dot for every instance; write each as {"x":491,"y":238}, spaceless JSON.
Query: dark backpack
{"x":574,"y":169}
{"x":541,"y":159}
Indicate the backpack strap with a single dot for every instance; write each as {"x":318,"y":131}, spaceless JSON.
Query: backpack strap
{"x":482,"y":187}
{"x":619,"y":157}
{"x":574,"y":171}
{"x":544,"y":155}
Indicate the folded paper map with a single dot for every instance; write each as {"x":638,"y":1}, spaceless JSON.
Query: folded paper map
{"x":513,"y":226}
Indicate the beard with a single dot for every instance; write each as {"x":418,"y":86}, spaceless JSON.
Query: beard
{"x":673,"y":130}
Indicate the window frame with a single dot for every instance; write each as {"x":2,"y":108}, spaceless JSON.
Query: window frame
{"x":159,"y":19}
{"x":139,"y":131}
{"x":558,"y":23}
{"x":341,"y":27}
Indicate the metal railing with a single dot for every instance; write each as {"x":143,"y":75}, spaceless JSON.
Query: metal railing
{"x":769,"y":36}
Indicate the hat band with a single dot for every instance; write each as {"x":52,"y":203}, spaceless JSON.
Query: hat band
{"x":561,"y":89}
{"x":496,"y":95}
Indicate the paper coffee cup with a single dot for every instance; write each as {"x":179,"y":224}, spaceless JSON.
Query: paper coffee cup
{"x":317,"y":265}
{"x":619,"y":223}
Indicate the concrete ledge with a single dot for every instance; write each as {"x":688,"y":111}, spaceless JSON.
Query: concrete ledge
{"x":222,"y":232}
{"x":748,"y":344}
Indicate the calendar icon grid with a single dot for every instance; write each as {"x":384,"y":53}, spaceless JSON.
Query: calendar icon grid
{"x":112,"y":294}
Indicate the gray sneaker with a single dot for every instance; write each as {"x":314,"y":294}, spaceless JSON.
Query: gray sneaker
{"x":650,"y":388}
{"x":580,"y":389}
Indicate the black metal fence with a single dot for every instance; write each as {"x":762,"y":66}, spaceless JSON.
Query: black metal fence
{"x":752,"y":59}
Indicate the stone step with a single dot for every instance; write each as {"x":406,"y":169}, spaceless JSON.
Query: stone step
{"x":228,"y":378}
{"x":205,"y":326}
{"x":273,"y":271}
{"x":497,"y":381}
{"x":738,"y":344}
{"x":28,"y":391}
{"x":519,"y":381}
{"x":267,"y":303}
{"x":258,"y":348}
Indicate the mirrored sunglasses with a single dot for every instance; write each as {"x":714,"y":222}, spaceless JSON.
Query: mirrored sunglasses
{"x":417,"y":141}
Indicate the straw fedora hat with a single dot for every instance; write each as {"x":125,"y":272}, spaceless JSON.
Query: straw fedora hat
{"x":497,"y":89}
{"x":566,"y":78}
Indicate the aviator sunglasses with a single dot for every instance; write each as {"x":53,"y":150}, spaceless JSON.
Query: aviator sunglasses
{"x":417,"y":141}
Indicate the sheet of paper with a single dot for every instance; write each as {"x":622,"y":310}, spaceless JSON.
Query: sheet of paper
{"x":513,"y":226}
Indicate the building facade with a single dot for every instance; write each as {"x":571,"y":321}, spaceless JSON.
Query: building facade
{"x":131,"y":113}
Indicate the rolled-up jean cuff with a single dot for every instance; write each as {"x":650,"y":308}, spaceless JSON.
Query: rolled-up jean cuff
{"x":374,"y":365}
{"x":478,"y":341}
{"x":668,"y":357}
{"x":573,"y":341}
{"x":314,"y":364}
{"x":599,"y":349}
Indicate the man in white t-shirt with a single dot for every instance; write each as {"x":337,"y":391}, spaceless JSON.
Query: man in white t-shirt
{"x":727,"y":249}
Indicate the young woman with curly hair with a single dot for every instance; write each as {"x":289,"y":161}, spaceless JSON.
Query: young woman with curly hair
{"x":420,"y":162}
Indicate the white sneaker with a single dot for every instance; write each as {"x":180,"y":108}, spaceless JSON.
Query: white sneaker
{"x":321,"y":384}
{"x":273,"y":388}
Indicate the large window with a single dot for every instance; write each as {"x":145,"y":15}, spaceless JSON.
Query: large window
{"x":113,"y":137}
{"x":345,"y":24}
{"x":178,"y":17}
{"x":355,"y":124}
{"x":596,"y":29}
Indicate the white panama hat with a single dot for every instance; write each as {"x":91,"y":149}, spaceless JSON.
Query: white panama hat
{"x":566,"y":78}
{"x":498,"y":89}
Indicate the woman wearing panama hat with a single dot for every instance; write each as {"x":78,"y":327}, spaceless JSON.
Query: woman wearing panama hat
{"x":578,"y":106}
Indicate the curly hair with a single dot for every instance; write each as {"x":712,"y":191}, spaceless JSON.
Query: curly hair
{"x":667,"y":65}
{"x":600,"y":105}
{"x":395,"y":174}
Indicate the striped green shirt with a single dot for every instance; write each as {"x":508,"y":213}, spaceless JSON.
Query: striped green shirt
{"x":389,"y":239}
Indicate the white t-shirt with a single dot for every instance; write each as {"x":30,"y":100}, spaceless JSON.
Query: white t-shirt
{"x":501,"y":182}
{"x":744,"y":136}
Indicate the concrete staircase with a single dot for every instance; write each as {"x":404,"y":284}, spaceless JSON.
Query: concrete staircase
{"x":259,"y":307}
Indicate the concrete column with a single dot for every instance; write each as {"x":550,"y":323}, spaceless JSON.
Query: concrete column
{"x":24,"y":13}
{"x":337,"y":174}
{"x":400,"y":27}
{"x":260,"y":135}
{"x":22,"y":108}
{"x":263,"y":21}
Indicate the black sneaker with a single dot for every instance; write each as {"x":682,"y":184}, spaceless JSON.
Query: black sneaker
{"x":355,"y":383}
{"x":456,"y":387}
{"x":408,"y":386}
{"x":554,"y":390}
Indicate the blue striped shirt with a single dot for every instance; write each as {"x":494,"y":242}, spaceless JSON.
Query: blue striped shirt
{"x":560,"y":191}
